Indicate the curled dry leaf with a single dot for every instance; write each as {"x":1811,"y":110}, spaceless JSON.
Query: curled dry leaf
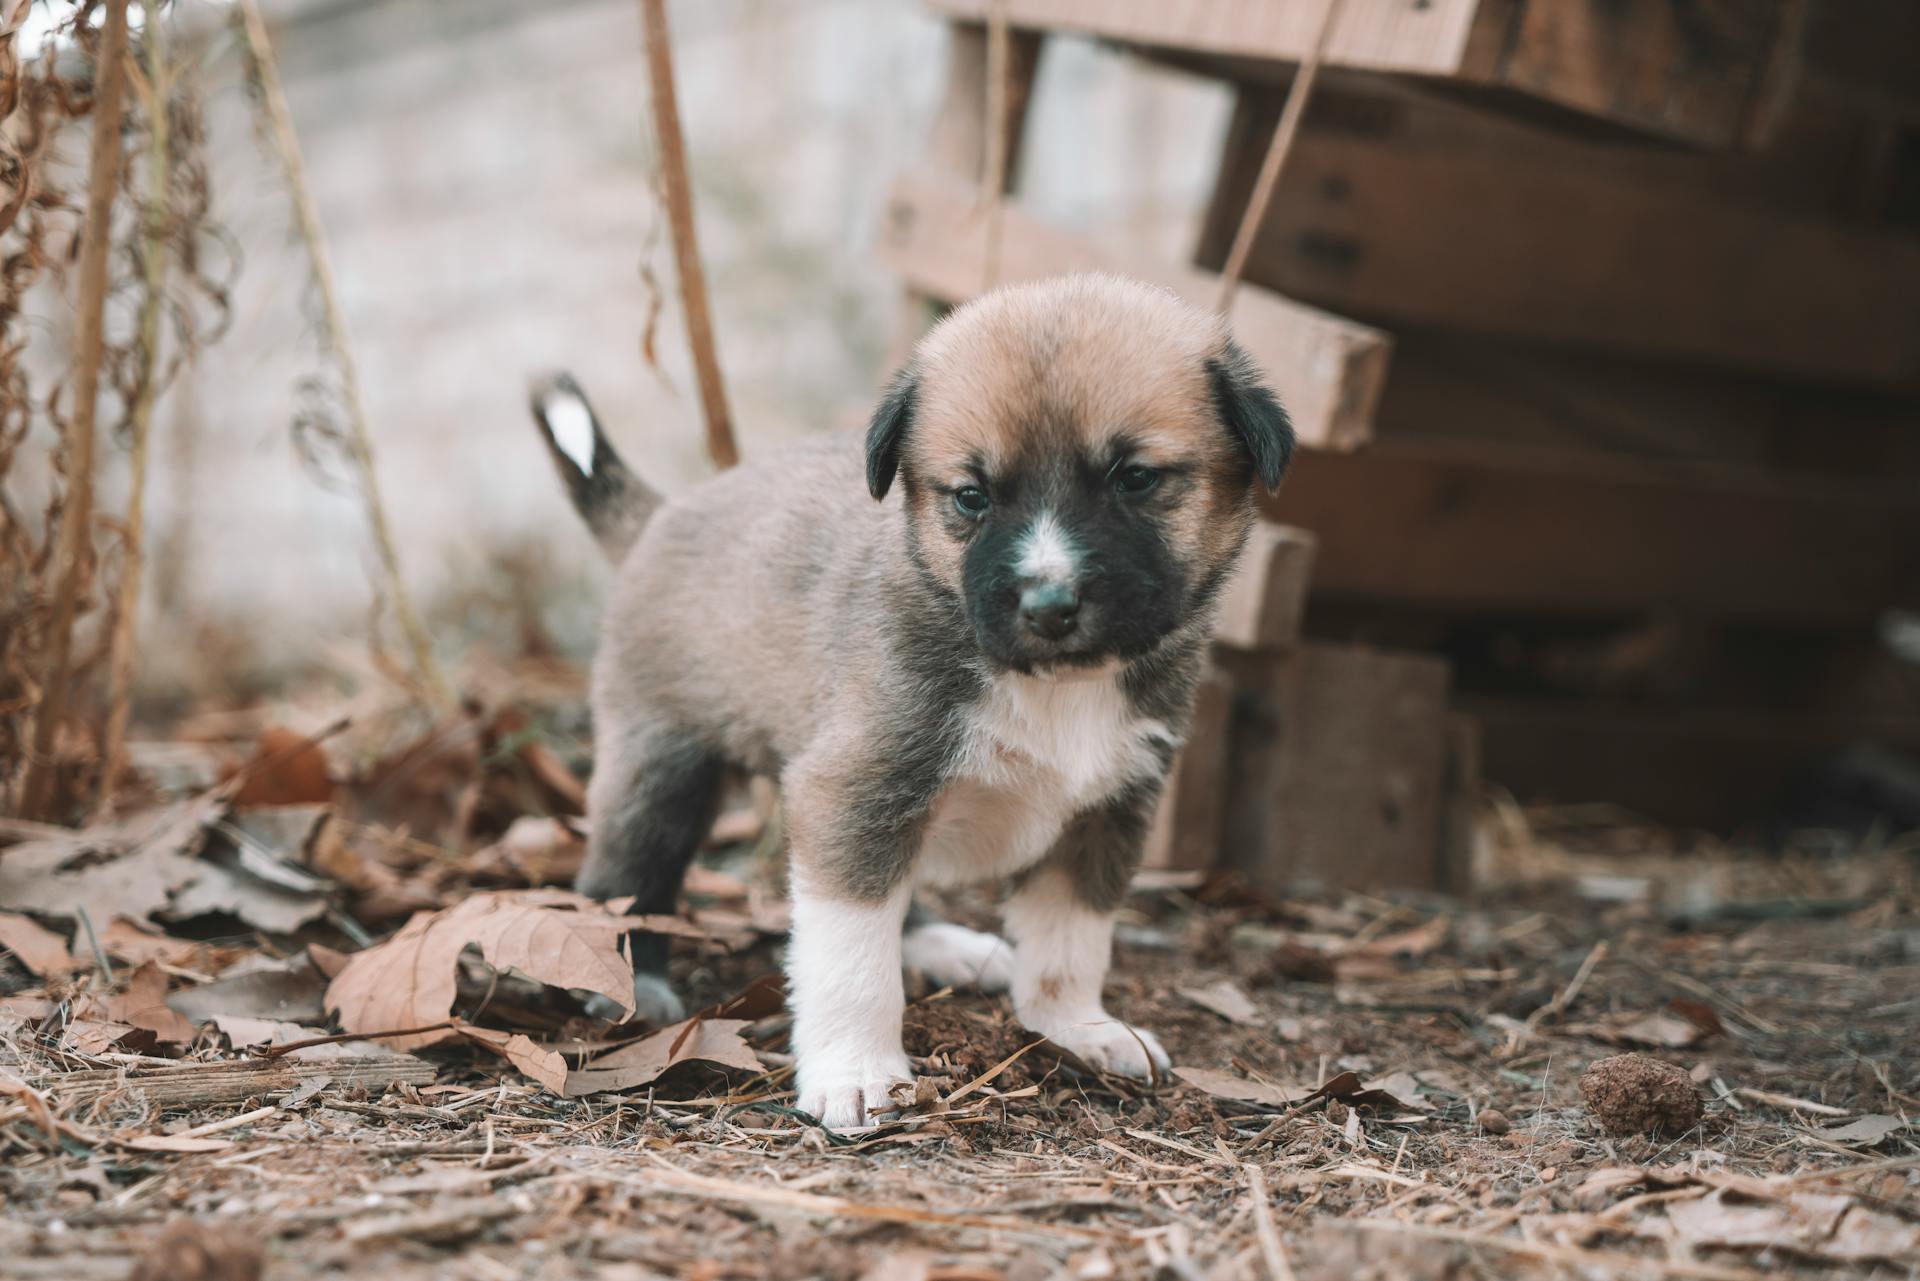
{"x":289,"y":991}
{"x":144,"y":1005}
{"x":550,"y":936}
{"x":1225,"y":1085}
{"x":1868,"y":1131}
{"x":536,"y":1061}
{"x":128,"y":868}
{"x":702,"y":1039}
{"x":36,"y":947}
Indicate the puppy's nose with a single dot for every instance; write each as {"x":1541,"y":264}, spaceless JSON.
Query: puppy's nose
{"x":1050,"y":609}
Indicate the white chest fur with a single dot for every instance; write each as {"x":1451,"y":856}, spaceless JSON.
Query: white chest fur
{"x":1039,"y":750}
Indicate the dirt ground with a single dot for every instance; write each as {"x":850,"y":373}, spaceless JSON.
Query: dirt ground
{"x":1366,"y":1086}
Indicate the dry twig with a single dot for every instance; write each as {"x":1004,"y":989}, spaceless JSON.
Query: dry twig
{"x":359,"y":434}
{"x":74,"y":557}
{"x":686,"y":246}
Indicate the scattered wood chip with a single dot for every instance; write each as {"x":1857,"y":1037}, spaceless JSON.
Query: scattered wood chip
{"x":1868,"y":1131}
{"x":1225,"y":999}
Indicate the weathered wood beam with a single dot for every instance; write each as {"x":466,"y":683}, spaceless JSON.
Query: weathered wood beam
{"x":1691,"y":71}
{"x":1501,"y":528}
{"x":1562,"y":250}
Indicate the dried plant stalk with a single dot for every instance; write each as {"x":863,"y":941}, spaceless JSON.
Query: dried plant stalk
{"x":1276,"y":159}
{"x":153,"y":258}
{"x":686,"y":246}
{"x":73,"y":558}
{"x":359,"y":435}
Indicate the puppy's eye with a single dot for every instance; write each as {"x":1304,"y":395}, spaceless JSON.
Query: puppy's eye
{"x":1135,"y":479}
{"x":972,"y":502}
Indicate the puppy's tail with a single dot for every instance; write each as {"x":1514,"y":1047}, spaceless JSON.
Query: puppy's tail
{"x":614,"y":502}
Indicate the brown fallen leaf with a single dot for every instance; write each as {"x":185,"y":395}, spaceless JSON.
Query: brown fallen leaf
{"x":534,"y":851}
{"x":1225,"y":999}
{"x":127,"y":941}
{"x":144,"y":1005}
{"x":289,"y":991}
{"x":287,"y":768}
{"x":1348,"y":1088}
{"x":534,"y":1061}
{"x":36,"y":947}
{"x":92,"y":1036}
{"x":1814,"y":1224}
{"x":127,"y":868}
{"x":550,"y":936}
{"x":1868,"y":1131}
{"x":1653,"y":1030}
{"x":1225,"y":1085}
{"x":697,"y":1039}
{"x":219,"y":888}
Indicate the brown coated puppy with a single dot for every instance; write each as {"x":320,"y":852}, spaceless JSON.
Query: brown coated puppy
{"x":968,"y":650}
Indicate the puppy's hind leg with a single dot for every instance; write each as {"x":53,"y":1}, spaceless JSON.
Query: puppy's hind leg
{"x":952,"y":955}
{"x":650,"y":804}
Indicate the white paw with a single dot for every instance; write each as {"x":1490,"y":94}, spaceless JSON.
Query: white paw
{"x":849,"y":1096}
{"x":955,"y":956}
{"x":1113,"y":1046}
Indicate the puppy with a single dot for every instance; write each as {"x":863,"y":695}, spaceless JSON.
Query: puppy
{"x":967,"y":648}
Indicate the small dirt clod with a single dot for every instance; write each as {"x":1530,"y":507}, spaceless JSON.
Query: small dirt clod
{"x":1494,"y":1121}
{"x":1634,"y":1094}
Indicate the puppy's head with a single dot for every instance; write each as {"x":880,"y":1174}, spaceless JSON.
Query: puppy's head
{"x":1077,"y":458}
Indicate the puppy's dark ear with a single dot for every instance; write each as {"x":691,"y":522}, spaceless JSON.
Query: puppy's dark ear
{"x":888,"y":429}
{"x":1251,"y":413}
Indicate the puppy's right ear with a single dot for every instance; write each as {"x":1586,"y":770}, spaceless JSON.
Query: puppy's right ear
{"x":888,"y":429}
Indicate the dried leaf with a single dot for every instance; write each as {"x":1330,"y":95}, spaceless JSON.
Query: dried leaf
{"x":289,"y":991}
{"x":36,"y":947}
{"x":144,"y":1005}
{"x":127,"y":941}
{"x":1866,"y":1132}
{"x":287,"y":768}
{"x":93,"y":1036}
{"x":702,"y":1039}
{"x":1818,"y":1225}
{"x":129,"y":868}
{"x":261,"y":904}
{"x":409,"y":980}
{"x":1224,"y":999}
{"x":1656,"y":1030}
{"x":537,"y":851}
{"x":534,"y":1061}
{"x":1225,"y":1085}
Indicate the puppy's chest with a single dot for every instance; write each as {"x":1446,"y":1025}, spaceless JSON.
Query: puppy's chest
{"x":1037,"y":753}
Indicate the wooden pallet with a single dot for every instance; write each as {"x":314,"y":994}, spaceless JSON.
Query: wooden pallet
{"x":1698,"y":73}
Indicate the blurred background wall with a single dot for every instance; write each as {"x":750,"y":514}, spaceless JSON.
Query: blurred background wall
{"x":485,"y":175}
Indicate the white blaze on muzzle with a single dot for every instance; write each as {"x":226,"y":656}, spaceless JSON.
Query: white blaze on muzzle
{"x":1047,"y":554}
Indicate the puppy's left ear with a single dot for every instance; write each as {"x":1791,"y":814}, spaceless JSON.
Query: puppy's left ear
{"x":1251,"y":413}
{"x":888,"y":429}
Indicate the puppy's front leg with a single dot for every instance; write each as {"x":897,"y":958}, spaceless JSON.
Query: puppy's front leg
{"x":853,"y":832}
{"x":1061,"y":924}
{"x":843,"y":965}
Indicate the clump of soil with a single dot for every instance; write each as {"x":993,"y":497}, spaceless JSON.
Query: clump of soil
{"x":1634,"y":1094}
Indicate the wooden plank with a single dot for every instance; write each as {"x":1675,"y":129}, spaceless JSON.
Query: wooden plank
{"x":1566,"y":252}
{"x":1336,"y":767}
{"x":1185,"y":836}
{"x":1430,"y":38}
{"x":1720,"y":769}
{"x":1327,"y":370}
{"x":1263,"y":602}
{"x":1692,"y":69}
{"x":1482,"y":528}
{"x":957,"y":141}
{"x":1695,"y":70}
